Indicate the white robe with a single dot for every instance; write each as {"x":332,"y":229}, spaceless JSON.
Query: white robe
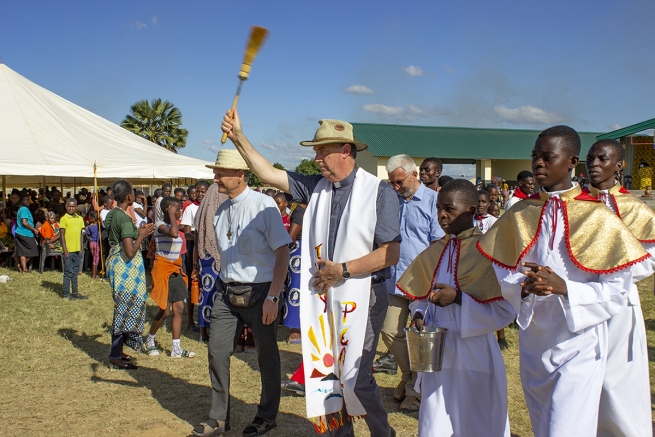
{"x":563,"y":341}
{"x":625,"y":404}
{"x":468,"y":397}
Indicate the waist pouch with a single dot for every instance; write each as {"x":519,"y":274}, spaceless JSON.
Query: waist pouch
{"x":245,"y":296}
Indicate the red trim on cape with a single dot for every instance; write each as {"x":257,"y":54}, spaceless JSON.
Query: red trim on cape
{"x":624,"y":191}
{"x":586,"y":196}
{"x":527,"y":248}
{"x":434,"y":275}
{"x":520,"y":194}
{"x":586,"y":269}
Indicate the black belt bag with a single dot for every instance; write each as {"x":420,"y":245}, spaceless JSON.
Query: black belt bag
{"x":245,"y":296}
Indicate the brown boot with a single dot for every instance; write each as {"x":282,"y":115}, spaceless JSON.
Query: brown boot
{"x":410,"y":404}
{"x":399,"y":392}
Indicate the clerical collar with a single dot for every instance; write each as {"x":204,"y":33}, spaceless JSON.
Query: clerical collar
{"x":241,"y":196}
{"x":557,"y":193}
{"x":347,"y":180}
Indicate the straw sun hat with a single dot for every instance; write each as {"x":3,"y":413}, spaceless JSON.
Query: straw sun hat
{"x":230,"y":159}
{"x":334,"y":131}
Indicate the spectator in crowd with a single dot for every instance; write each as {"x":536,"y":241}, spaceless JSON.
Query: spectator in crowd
{"x":56,"y":205}
{"x":443,"y":180}
{"x":494,"y":209}
{"x":291,"y":314}
{"x":206,"y":258}
{"x":166,"y":190}
{"x":362,"y":238}
{"x":524,"y":189}
{"x":191,"y":194}
{"x":169,"y":288}
{"x":281,"y":202}
{"x":127,"y":277}
{"x":70,"y":228}
{"x":178,"y":193}
{"x":419,"y":228}
{"x":26,"y":246}
{"x":94,"y":242}
{"x":50,"y":232}
{"x":429,"y":173}
{"x":253,"y":245}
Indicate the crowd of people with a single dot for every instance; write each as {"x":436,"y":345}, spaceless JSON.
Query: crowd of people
{"x":344,"y":259}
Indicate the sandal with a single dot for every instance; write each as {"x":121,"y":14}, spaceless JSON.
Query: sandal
{"x":259,"y":426}
{"x":210,"y":427}
{"x":150,"y":350}
{"x":183,"y":354}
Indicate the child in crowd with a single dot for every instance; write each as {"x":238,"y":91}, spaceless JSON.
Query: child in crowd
{"x":281,"y":201}
{"x":94,"y":242}
{"x":494,"y":209}
{"x":625,"y":404}
{"x":450,"y":283}
{"x":50,"y":232}
{"x":70,"y":229}
{"x":169,"y":288}
{"x":564,"y":263}
{"x":483,"y":220}
{"x":494,"y":193}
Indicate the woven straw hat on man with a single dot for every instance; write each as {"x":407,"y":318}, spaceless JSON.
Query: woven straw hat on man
{"x":334,"y":131}
{"x":229,"y":159}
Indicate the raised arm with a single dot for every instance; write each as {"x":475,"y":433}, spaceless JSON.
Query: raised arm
{"x":257,"y":163}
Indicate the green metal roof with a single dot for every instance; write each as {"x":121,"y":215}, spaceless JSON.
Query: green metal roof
{"x":628,"y":130}
{"x":452,"y":142}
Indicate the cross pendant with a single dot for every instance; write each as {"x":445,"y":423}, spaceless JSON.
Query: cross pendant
{"x":229,"y":234}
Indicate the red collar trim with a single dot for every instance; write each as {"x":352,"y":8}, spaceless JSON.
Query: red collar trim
{"x":624,"y":191}
{"x":520,"y":194}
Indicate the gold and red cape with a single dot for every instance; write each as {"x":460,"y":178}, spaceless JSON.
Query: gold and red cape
{"x":473,"y":274}
{"x":636,"y":215}
{"x":596,"y":239}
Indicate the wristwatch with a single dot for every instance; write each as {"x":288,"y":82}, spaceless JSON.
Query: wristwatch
{"x":273,"y":299}
{"x":346,"y":273}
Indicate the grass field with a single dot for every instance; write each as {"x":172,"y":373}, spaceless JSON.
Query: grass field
{"x":56,"y":382}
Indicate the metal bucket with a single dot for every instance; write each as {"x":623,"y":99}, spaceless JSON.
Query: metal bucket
{"x":425,"y":348}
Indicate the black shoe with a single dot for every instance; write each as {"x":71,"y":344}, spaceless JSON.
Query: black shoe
{"x":386,"y":364}
{"x":293,"y":387}
{"x":503,"y":344}
{"x":78,"y":297}
{"x":126,"y":366}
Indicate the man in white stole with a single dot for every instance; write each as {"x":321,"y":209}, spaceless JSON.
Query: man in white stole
{"x":351,"y":236}
{"x":625,"y":402}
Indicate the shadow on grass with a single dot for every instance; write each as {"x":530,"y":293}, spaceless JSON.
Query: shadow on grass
{"x":54,"y":287}
{"x":187,"y":401}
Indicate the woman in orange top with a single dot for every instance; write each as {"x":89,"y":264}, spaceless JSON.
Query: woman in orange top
{"x":50,"y":232}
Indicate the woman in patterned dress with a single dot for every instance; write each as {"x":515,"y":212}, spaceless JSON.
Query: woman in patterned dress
{"x":127,"y":276}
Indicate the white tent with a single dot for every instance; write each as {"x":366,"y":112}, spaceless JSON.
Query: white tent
{"x":45,"y":139}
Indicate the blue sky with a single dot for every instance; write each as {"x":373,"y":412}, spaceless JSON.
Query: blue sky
{"x":516,"y":64}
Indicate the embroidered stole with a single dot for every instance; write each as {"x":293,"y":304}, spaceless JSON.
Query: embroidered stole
{"x":596,"y":239}
{"x":333,"y":325}
{"x":473,"y":274}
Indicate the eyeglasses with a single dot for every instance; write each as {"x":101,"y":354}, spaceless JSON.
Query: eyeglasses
{"x":397,"y":183}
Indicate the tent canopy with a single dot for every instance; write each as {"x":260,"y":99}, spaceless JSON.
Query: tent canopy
{"x":46,"y":138}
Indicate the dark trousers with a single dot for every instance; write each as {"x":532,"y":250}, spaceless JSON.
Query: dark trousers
{"x":71,"y":268}
{"x":117,"y":341}
{"x":366,"y":389}
{"x":226,"y":323}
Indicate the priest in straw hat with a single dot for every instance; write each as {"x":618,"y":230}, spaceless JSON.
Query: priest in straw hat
{"x":253,"y":247}
{"x":351,"y":236}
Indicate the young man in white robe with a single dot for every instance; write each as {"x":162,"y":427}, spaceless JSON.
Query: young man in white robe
{"x":625,"y":404}
{"x":454,"y":288}
{"x":564,"y":262}
{"x":482,"y":219}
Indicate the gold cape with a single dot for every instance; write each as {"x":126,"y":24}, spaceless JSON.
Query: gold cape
{"x":474,"y":275}
{"x":596,"y":239}
{"x":636,"y":215}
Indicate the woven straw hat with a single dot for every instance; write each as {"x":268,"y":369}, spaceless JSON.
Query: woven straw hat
{"x":230,"y":159}
{"x":334,"y":131}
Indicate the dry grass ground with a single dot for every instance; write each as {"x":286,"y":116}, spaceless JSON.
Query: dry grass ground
{"x":55,"y":380}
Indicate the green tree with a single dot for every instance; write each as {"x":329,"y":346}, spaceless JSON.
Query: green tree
{"x":278,"y":165}
{"x":157,"y":121}
{"x":254,"y":181}
{"x":308,"y":166}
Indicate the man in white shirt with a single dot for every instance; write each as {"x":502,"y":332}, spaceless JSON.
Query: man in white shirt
{"x":523,"y":191}
{"x":253,"y":245}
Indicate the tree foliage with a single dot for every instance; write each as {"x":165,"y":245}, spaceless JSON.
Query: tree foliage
{"x":278,"y":165}
{"x":308,"y":167}
{"x":158,"y":121}
{"x":254,"y":181}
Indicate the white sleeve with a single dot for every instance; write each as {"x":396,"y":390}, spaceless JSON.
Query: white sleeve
{"x":420,"y":306}
{"x":591,"y":303}
{"x":187,"y":217}
{"x":644,"y":269}
{"x":483,"y":318}
{"x":510,"y":287}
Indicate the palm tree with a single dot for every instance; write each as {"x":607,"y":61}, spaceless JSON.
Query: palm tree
{"x":157,"y":121}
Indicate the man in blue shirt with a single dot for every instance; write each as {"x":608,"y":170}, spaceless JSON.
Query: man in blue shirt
{"x":419,"y":227}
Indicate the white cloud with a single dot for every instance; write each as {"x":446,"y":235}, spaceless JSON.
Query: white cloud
{"x":413,"y":71}
{"x":379,"y":108}
{"x":267,"y":146}
{"x":155,"y":20}
{"x":139,"y":25}
{"x":614,"y":127}
{"x":527,"y":115}
{"x":209,"y":145}
{"x":359,"y":89}
{"x":407,"y":113}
